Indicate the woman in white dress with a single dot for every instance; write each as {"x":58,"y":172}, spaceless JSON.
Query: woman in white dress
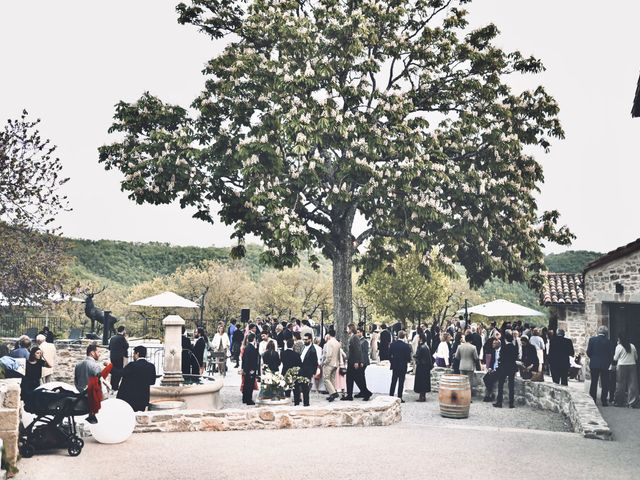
{"x":373,"y":344}
{"x":220,"y":345}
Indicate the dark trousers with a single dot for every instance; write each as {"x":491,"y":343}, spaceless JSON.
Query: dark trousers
{"x":603,"y":375}
{"x":490,"y":379}
{"x":247,"y":387}
{"x":301,"y":387}
{"x":116,"y":372}
{"x":611,"y":375}
{"x":399,"y":378}
{"x":560,"y":375}
{"x":501,"y":379}
{"x":356,"y":375}
{"x":235,"y":353}
{"x":363,"y":381}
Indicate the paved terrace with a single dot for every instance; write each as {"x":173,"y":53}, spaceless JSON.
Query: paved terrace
{"x":525,"y":443}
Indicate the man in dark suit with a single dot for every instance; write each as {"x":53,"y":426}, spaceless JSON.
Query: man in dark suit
{"x":308,"y":369}
{"x":118,"y":351}
{"x":600,"y":352}
{"x":186,"y":352}
{"x":289,"y":357}
{"x":400,"y":356}
{"x":364,"y":345}
{"x":384,"y":341}
{"x":250,"y":365}
{"x":507,"y":369}
{"x":137,"y":378}
{"x":492,"y":351}
{"x":355,"y":366}
{"x":560,"y":349}
{"x":199,"y":347}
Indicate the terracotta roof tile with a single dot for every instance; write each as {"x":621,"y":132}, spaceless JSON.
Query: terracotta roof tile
{"x":562,"y":289}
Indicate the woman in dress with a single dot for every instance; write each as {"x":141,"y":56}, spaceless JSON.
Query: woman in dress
{"x":373,"y":344}
{"x":626,"y":357}
{"x":220,"y":345}
{"x":422,"y":384}
{"x":33,"y":372}
{"x":453,"y":361}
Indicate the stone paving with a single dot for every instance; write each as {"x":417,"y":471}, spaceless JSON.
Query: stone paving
{"x":525,"y":443}
{"x":427,"y":413}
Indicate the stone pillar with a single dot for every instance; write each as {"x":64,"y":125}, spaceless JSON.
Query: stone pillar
{"x":9,"y":419}
{"x":172,"y":350}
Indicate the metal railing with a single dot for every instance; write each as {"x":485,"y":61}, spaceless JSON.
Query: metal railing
{"x":14,"y":326}
{"x":155,"y":355}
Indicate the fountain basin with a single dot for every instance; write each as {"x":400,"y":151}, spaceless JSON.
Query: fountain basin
{"x":197,"y":392}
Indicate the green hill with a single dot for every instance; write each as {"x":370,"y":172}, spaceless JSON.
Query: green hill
{"x":572,"y":261}
{"x":128,"y":263}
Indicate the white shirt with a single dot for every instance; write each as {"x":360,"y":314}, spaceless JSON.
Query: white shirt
{"x":443,"y":352}
{"x":304,"y":352}
{"x":537,"y":342}
{"x":625,"y":358}
{"x":262,"y":347}
{"x":495,"y":364}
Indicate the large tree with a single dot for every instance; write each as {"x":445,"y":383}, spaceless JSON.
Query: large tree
{"x":321,"y":112}
{"x":401,"y":292}
{"x":31,"y":252}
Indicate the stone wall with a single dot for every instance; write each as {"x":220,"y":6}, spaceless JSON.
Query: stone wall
{"x":69,"y":356}
{"x":3,"y":472}
{"x":572,"y":319}
{"x":600,"y":284}
{"x":380,"y":411}
{"x":9,"y":418}
{"x":575,"y":404}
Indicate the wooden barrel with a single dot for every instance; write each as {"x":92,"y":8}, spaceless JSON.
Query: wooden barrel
{"x":454,"y":396}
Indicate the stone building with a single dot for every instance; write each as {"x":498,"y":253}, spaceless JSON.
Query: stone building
{"x":612,"y":291}
{"x":607,"y":293}
{"x":563,"y":293}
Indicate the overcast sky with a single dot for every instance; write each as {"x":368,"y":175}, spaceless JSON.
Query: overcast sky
{"x":70,"y":62}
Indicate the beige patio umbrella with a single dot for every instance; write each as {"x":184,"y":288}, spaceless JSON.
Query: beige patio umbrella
{"x":165,"y":300}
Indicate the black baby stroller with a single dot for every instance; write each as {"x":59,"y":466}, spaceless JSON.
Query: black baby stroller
{"x":54,"y":425}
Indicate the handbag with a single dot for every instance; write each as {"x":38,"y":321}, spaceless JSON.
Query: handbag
{"x":537,"y":377}
{"x":525,"y":374}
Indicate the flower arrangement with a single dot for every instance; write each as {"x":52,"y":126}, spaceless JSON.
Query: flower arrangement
{"x":272,"y":385}
{"x":293,"y":376}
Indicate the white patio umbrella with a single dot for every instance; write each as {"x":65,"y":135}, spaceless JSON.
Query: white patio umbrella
{"x":166,"y":300}
{"x":502,"y":308}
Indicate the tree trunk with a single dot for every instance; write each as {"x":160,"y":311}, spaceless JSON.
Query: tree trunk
{"x":342,"y":290}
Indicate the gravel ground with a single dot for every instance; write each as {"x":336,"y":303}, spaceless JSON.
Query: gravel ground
{"x":427,"y":413}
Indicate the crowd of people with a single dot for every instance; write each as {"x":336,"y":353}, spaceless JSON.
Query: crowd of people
{"x":35,"y":362}
{"x":334,"y":368}
{"x":501,"y":352}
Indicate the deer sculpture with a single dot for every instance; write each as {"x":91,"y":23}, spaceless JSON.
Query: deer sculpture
{"x":95,"y":314}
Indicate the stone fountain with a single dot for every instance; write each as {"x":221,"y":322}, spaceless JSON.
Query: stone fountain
{"x":204,"y":395}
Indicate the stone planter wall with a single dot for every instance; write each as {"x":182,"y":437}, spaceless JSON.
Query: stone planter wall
{"x":9,"y":418}
{"x":576,"y":405}
{"x":379,"y":412}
